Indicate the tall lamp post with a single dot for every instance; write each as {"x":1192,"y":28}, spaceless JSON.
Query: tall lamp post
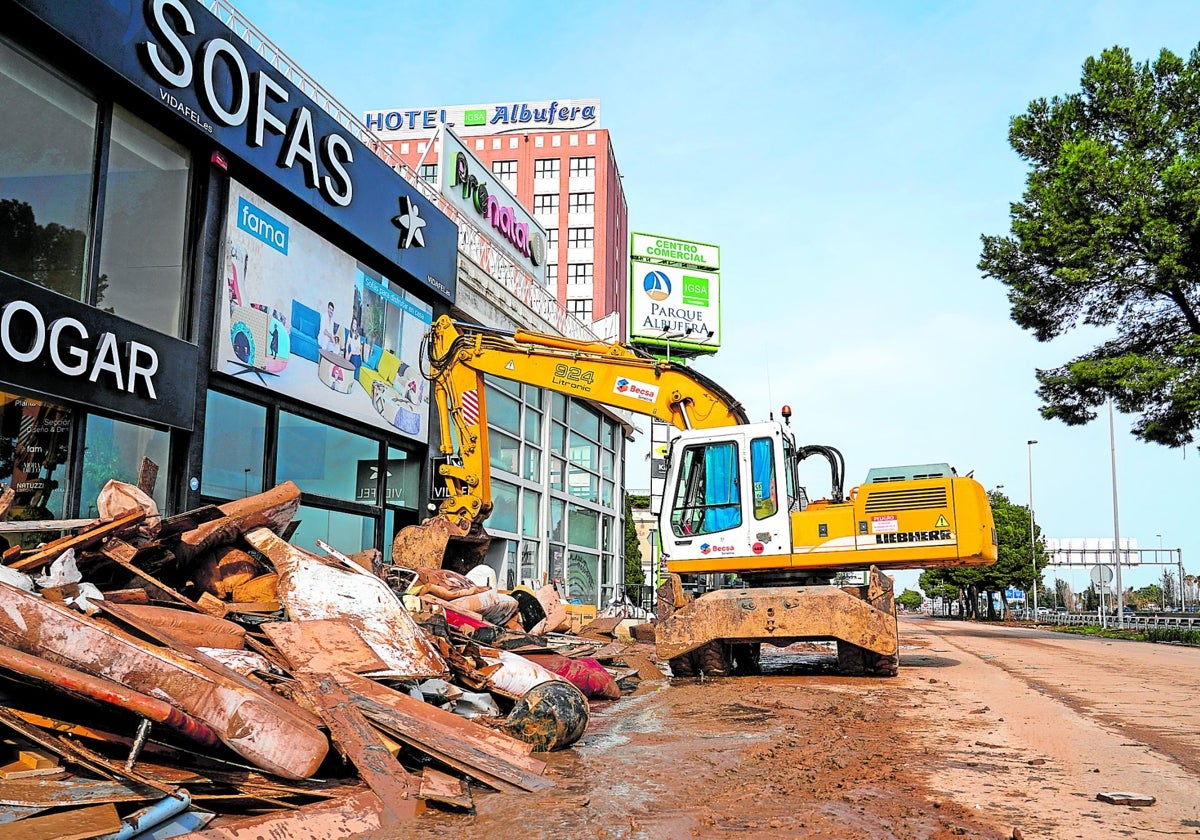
{"x":1032,"y":541}
{"x":1112,"y":442}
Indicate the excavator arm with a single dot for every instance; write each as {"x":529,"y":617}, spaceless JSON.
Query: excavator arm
{"x":461,"y":355}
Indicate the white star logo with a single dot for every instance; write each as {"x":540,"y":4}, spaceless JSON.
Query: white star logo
{"x":410,"y":223}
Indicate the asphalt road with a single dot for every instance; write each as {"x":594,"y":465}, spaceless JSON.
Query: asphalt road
{"x":987,"y":729}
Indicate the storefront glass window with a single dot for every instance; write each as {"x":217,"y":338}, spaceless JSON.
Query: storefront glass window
{"x":530,"y":513}
{"x":504,"y":412}
{"x":583,"y":574}
{"x":533,"y":463}
{"x":114,"y":449}
{"x":47,"y":153}
{"x":504,"y":507}
{"x":584,"y":527}
{"x":34,"y":456}
{"x":403,"y":479}
{"x":347,"y":532}
{"x":320,"y":459}
{"x":145,"y":219}
{"x":233,"y":447}
{"x":533,"y":426}
{"x":503,"y":451}
{"x":584,"y":420}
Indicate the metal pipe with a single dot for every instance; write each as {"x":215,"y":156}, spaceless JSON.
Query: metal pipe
{"x":150,"y":816}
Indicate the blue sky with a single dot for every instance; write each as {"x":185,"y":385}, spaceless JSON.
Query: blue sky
{"x":846,"y":157}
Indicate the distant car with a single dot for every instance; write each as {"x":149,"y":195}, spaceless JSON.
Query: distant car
{"x":1060,"y":610}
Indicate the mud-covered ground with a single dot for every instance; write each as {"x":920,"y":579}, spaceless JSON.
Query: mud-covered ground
{"x":986,"y":730}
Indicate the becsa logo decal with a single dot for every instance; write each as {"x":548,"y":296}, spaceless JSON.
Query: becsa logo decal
{"x":638,"y":390}
{"x":705,"y":548}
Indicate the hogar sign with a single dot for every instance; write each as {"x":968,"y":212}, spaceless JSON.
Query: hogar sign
{"x":502,"y":218}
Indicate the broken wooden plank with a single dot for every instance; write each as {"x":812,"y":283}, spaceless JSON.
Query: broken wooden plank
{"x":265,"y":733}
{"x":147,"y":476}
{"x":324,"y":645}
{"x":122,"y":553}
{"x":31,"y":763}
{"x":57,"y":793}
{"x":46,"y":525}
{"x":512,"y":749}
{"x":437,"y":786}
{"x":500,"y":771}
{"x":647,"y":671}
{"x":90,"y":537}
{"x":343,"y":817}
{"x":76,"y":753}
{"x":363,"y":746}
{"x":273,"y":509}
{"x":311,"y":588}
{"x":79,"y":824}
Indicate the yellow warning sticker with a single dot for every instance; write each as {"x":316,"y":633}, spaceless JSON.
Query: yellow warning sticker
{"x":942,"y":523}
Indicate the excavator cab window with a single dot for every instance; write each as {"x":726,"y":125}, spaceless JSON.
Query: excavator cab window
{"x":762,"y":471}
{"x":797,"y":497}
{"x":708,"y":496}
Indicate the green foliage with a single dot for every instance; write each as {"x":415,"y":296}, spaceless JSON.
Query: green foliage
{"x":1151,"y":594}
{"x":1107,"y":234}
{"x":910,"y":600}
{"x":634,"y":576}
{"x":1184,"y":635}
{"x":1014,"y":565}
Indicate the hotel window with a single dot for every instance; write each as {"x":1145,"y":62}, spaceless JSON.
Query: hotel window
{"x":583,"y":166}
{"x":551,"y":237}
{"x":545,"y":168}
{"x":581,"y":308}
{"x":552,"y":275}
{"x":506,"y":169}
{"x":545,"y":203}
{"x":579,"y":273}
{"x":582,"y":202}
{"x":428,"y":173}
{"x":580,"y":237}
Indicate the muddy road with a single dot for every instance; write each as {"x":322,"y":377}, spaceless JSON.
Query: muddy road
{"x":987,"y":729}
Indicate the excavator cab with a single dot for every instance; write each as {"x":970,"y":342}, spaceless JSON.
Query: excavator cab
{"x":729,"y":491}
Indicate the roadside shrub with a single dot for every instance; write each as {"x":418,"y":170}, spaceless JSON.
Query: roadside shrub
{"x":1186,"y":635}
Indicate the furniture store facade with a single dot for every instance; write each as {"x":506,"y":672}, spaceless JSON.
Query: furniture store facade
{"x":201,"y":266}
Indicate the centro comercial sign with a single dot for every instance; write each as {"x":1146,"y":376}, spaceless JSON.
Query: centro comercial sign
{"x":661,"y":249}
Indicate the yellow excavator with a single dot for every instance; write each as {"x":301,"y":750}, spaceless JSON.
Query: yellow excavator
{"x":750,"y":558}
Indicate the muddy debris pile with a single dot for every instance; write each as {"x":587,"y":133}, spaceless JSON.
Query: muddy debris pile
{"x":199,"y":675}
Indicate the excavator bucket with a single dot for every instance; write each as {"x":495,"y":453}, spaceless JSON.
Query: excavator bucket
{"x":439,"y":543}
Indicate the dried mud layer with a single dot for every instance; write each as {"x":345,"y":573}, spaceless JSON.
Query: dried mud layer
{"x":988,"y":732}
{"x":797,"y":752}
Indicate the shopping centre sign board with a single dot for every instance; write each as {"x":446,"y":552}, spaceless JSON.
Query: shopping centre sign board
{"x":675,"y":300}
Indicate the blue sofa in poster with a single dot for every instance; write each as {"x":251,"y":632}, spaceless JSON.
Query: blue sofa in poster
{"x":306,"y":326}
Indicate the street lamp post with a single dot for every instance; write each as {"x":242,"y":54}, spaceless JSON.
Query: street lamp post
{"x":1112,"y":441}
{"x":1032,"y":541}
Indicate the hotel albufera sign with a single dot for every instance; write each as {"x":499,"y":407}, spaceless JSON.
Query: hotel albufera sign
{"x":492,"y":118}
{"x":675,"y":296}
